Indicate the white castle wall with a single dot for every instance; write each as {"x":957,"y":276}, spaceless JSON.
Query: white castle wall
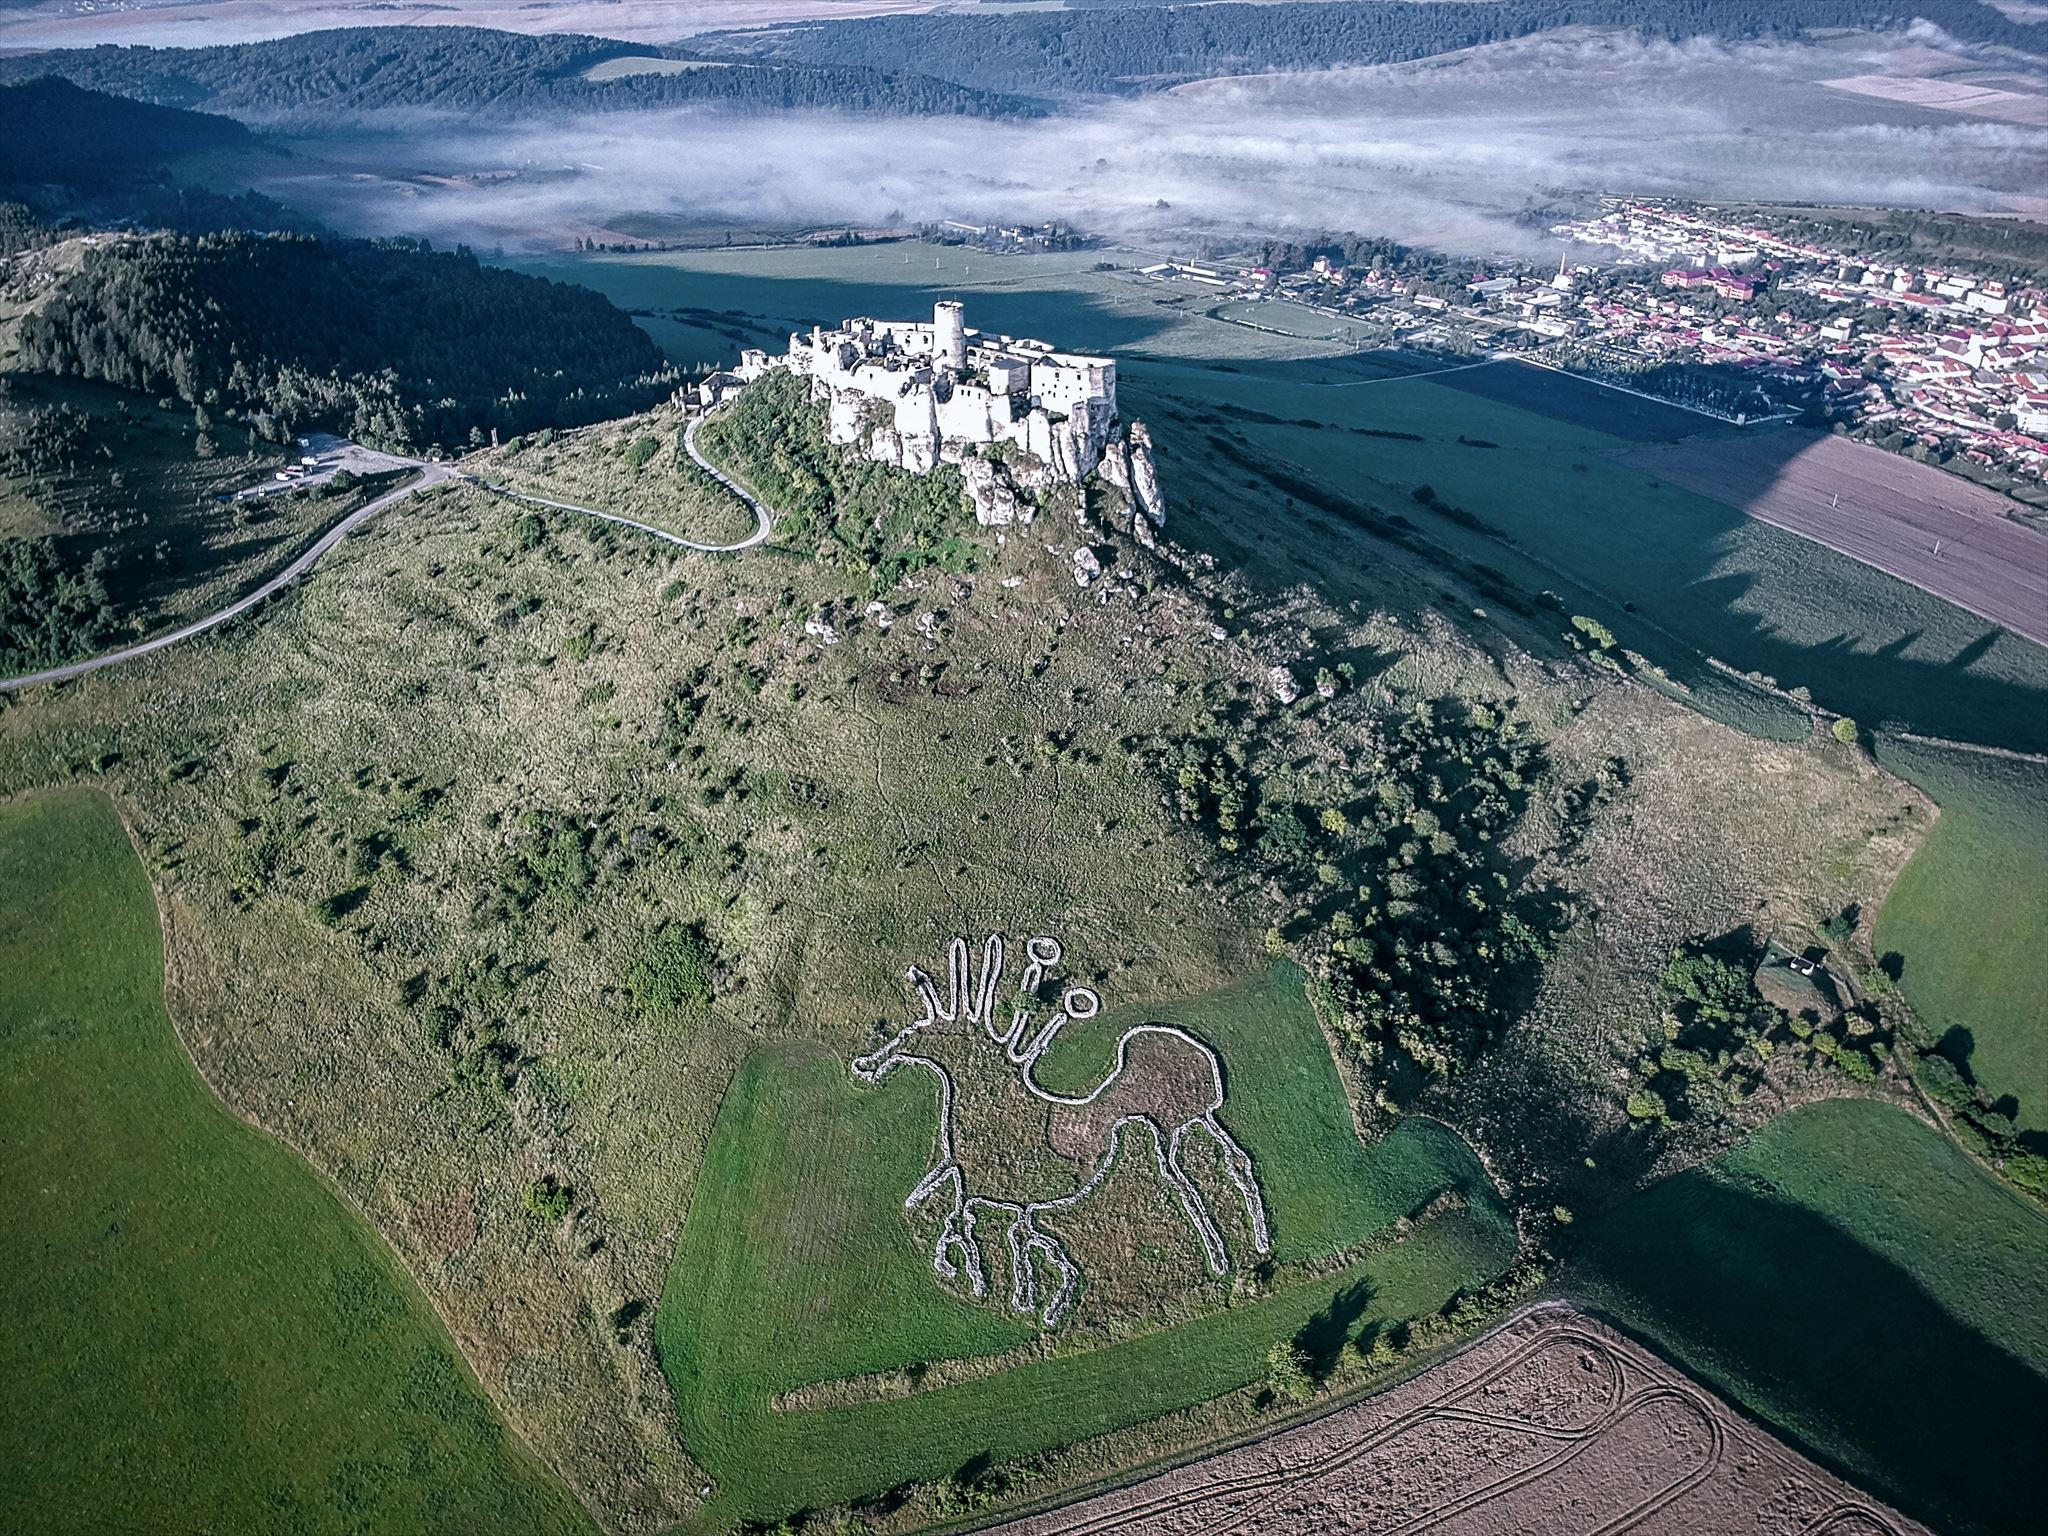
{"x":1059,"y":408}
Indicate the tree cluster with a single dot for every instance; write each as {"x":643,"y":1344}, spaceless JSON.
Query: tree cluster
{"x":315,"y":76}
{"x":1096,"y":51}
{"x":1422,"y":947}
{"x":387,"y":342}
{"x":1719,"y":1031}
{"x":872,"y":521}
{"x":51,"y":609}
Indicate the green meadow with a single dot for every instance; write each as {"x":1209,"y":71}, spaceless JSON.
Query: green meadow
{"x":1286,"y":1105}
{"x":798,"y":1265}
{"x":1543,"y":501}
{"x":200,"y":1337}
{"x":1853,"y":1278}
{"x":1967,"y":917}
{"x":1527,"y":462}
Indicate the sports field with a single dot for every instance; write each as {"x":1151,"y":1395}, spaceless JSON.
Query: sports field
{"x":1853,"y":1278}
{"x":798,"y":1266}
{"x":200,"y":1336}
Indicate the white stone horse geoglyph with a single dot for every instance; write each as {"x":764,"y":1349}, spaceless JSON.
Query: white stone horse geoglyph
{"x":1166,"y":1083}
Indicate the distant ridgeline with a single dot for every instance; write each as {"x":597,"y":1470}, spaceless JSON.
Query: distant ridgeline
{"x":1097,"y":49}
{"x":389,"y":342}
{"x":69,"y":153}
{"x":486,"y":74}
{"x":51,"y":131}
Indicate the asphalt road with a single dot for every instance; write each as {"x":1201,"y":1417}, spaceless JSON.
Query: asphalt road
{"x":763,"y":521}
{"x":430,"y":475}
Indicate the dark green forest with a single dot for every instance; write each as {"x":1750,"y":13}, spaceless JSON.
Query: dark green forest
{"x":50,"y":611}
{"x":388,"y":342}
{"x":52,"y":131}
{"x":309,"y":78}
{"x":1097,"y":51}
{"x":72,"y":158}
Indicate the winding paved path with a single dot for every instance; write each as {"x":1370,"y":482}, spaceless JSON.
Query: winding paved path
{"x":430,"y":475}
{"x":763,"y":520}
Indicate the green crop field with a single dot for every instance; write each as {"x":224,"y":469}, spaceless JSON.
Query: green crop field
{"x":1968,"y":914}
{"x":1678,"y":577}
{"x":1853,"y":1278}
{"x":798,"y":1266}
{"x":200,"y":1336}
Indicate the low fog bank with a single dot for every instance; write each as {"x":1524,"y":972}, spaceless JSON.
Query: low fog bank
{"x":1442,"y":153}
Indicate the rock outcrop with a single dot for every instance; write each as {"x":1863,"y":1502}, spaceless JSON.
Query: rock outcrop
{"x":996,"y":503}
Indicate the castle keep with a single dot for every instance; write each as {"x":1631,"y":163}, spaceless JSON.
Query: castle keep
{"x":917,"y":395}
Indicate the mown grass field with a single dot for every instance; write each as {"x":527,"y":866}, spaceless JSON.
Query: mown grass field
{"x":1854,"y":1279}
{"x":200,"y":1336}
{"x":1968,"y":916}
{"x":798,"y":1265}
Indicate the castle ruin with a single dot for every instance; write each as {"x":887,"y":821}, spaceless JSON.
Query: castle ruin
{"x":1018,"y":417}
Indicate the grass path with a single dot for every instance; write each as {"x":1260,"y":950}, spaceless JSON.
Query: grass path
{"x":200,"y":1336}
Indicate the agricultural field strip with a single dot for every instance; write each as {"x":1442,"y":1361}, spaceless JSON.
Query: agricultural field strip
{"x":430,"y":476}
{"x":1914,"y":523}
{"x":1537,"y":360}
{"x":1259,"y":1490}
{"x":971,"y":1000}
{"x":1617,"y":1406}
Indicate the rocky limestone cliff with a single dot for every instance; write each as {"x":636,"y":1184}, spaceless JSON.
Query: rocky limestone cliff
{"x":996,"y":502}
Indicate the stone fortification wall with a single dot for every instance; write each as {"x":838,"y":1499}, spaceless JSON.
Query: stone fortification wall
{"x":1027,"y":418}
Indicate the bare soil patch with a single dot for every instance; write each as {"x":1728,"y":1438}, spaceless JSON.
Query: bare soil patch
{"x":1553,"y":1424}
{"x":1908,"y":520}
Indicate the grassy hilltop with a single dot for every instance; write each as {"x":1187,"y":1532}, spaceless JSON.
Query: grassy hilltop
{"x":539,"y":881}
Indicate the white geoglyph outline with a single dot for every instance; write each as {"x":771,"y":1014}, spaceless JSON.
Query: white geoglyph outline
{"x":972,"y":999}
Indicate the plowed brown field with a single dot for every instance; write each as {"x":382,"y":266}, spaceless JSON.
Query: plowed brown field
{"x":1553,"y":1426}
{"x":1910,"y":520}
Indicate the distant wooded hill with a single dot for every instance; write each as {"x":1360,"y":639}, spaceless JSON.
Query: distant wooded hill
{"x":482,"y":73}
{"x":51,"y":131}
{"x":1102,"y":48}
{"x":387,"y":341}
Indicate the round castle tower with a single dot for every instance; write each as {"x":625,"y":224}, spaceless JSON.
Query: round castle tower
{"x":949,"y":332}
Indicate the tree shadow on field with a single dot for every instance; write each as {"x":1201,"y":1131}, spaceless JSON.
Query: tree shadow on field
{"x":1647,"y":559}
{"x":1833,"y":1344}
{"x":1322,"y":1338}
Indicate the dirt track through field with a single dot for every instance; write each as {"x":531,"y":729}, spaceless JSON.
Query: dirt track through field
{"x":1554,"y":1425}
{"x":1909,"y":520}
